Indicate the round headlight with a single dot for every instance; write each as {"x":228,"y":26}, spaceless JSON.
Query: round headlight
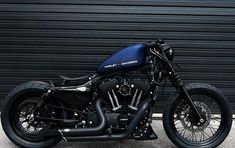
{"x":169,"y":52}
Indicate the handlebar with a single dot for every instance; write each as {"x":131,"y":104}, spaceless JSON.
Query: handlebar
{"x":153,"y":44}
{"x":158,"y":46}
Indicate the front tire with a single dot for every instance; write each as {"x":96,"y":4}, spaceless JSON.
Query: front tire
{"x":213,"y":107}
{"x":24,"y":97}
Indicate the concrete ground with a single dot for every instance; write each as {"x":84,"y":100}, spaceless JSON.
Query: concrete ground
{"x":161,"y":142}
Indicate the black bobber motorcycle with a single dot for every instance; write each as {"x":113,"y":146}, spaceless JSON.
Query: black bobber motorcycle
{"x":117,"y":103}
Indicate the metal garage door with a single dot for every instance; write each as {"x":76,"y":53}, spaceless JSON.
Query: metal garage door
{"x":41,"y":39}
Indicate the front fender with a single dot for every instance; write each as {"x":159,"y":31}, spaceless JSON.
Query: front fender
{"x":195,"y":86}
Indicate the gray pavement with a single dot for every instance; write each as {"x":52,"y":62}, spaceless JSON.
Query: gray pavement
{"x":161,"y":142}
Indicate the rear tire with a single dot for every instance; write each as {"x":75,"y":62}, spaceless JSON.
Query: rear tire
{"x":12,"y":102}
{"x":204,"y":140}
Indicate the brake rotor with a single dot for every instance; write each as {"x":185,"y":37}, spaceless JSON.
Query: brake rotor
{"x":186,"y":117}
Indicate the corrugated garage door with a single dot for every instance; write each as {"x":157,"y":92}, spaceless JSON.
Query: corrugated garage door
{"x":40,"y":39}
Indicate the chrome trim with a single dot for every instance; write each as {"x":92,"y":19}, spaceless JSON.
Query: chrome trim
{"x":138,"y":100}
{"x":115,"y":97}
{"x":111,"y":100}
{"x":133,"y":99}
{"x":62,"y":136}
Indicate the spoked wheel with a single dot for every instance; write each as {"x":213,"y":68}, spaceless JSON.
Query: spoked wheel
{"x":18,"y":122}
{"x":181,"y":126}
{"x":190,"y":130}
{"x":24,"y":122}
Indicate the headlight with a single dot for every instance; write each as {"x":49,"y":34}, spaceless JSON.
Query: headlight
{"x":169,"y":52}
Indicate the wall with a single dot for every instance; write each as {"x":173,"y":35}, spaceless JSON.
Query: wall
{"x":41,"y":39}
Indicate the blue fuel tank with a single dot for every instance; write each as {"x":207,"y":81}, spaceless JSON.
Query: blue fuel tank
{"x":130,"y":57}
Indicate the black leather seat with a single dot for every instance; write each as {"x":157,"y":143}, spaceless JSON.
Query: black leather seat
{"x":73,"y":81}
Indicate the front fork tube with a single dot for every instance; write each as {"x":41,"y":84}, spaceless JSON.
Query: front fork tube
{"x":178,"y":83}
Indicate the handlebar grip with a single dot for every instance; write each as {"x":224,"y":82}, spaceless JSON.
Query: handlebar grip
{"x":151,"y":44}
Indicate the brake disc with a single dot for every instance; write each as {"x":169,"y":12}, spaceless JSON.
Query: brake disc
{"x":186,"y":117}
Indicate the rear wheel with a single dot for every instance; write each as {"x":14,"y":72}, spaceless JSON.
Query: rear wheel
{"x":18,"y":121}
{"x":181,"y":127}
{"x":24,"y":122}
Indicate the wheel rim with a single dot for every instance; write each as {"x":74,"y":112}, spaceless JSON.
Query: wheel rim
{"x":189,"y":132}
{"x":23,"y":121}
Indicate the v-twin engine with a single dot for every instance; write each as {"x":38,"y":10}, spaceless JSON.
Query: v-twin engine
{"x":124,"y":97}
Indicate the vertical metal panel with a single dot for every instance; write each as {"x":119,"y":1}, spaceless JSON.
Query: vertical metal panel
{"x":41,"y":39}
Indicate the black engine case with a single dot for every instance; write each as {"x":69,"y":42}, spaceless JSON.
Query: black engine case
{"x":124,"y":98}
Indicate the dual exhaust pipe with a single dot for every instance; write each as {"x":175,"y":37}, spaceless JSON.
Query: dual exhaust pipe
{"x":97,"y":133}
{"x":87,"y":131}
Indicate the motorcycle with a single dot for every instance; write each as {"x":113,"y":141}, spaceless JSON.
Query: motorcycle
{"x":117,"y":103}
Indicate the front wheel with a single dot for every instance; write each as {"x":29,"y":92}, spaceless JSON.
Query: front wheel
{"x":179,"y":122}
